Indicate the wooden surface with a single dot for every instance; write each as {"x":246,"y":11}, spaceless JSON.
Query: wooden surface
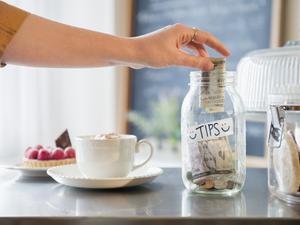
{"x":123,"y":28}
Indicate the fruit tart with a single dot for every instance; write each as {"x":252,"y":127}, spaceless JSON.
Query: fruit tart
{"x":39,"y":156}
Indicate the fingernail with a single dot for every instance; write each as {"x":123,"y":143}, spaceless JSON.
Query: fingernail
{"x":228,"y":53}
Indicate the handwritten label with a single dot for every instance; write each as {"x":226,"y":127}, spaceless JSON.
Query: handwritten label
{"x":211,"y":130}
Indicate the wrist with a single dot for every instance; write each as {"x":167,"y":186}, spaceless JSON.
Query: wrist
{"x":130,"y":52}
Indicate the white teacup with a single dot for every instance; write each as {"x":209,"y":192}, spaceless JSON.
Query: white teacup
{"x":107,"y":158}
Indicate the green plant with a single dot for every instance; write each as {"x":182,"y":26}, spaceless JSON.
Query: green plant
{"x":163,"y":122}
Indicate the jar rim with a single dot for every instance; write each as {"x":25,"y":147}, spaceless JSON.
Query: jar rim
{"x":201,"y":78}
{"x":292,"y":99}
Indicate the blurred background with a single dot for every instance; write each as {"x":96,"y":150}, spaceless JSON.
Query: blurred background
{"x":38,"y":104}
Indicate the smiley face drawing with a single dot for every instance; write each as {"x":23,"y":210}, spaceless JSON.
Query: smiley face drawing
{"x":224,"y":127}
{"x":192,"y":135}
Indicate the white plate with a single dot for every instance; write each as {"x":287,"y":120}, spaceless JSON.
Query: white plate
{"x":26,"y":171}
{"x":70,"y":175}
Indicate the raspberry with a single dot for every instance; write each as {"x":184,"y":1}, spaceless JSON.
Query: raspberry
{"x":31,"y":153}
{"x":27,"y":149}
{"x":39,"y":147}
{"x":57,"y":154}
{"x":43,"y":154}
{"x":70,"y":152}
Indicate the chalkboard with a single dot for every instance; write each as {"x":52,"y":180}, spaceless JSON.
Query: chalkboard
{"x":242,"y":25}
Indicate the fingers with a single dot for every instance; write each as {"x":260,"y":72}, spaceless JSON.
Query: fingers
{"x":194,"y":61}
{"x":199,"y":48}
{"x":202,"y":37}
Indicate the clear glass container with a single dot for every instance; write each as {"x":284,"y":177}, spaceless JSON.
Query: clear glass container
{"x":283,"y":130}
{"x":213,"y":135}
{"x":260,"y":73}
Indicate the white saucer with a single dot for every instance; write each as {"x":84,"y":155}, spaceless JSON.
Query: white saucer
{"x":26,"y":171}
{"x":70,"y":175}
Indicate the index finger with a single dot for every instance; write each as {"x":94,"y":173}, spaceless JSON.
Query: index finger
{"x":210,"y":40}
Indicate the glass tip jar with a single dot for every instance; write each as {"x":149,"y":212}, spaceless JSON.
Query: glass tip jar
{"x":213,"y":133}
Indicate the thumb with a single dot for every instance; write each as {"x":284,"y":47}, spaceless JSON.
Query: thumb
{"x":199,"y":62}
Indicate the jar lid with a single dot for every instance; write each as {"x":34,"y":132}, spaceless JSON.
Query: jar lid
{"x":290,"y":48}
{"x":267,"y":71}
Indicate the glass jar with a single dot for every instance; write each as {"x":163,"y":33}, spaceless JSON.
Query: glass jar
{"x":283,"y":146}
{"x":193,"y":204}
{"x":213,"y":135}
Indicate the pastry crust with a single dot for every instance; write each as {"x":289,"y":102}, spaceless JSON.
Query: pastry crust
{"x":33,"y":163}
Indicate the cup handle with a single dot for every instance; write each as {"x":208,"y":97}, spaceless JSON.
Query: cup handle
{"x":143,"y":141}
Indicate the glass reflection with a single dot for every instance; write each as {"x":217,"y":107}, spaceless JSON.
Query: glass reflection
{"x":195,"y":205}
{"x":279,"y":208}
{"x":84,"y":202}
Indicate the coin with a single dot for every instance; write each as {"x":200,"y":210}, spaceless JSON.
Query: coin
{"x":230,"y":184}
{"x":220,"y":184}
{"x":209,"y":184}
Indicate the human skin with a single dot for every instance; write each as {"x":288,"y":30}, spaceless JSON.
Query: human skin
{"x":44,"y":43}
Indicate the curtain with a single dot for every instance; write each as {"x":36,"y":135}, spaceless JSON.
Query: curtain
{"x":37,"y":104}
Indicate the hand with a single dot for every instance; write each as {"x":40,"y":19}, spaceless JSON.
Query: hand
{"x":163,"y":48}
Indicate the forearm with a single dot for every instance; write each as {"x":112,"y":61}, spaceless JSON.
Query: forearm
{"x":41,"y":42}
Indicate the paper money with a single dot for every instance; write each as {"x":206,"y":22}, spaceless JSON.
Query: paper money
{"x":212,"y":90}
{"x":211,"y":157}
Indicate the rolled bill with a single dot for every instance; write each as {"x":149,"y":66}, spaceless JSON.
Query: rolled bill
{"x":212,"y":93}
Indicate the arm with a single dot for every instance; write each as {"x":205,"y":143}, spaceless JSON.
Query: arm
{"x":45,"y":43}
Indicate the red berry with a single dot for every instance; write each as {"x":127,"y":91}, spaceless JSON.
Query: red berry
{"x":70,"y":152}
{"x":27,"y":149}
{"x":43,"y":154}
{"x":39,"y":146}
{"x":57,"y":154}
{"x":32,"y":153}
